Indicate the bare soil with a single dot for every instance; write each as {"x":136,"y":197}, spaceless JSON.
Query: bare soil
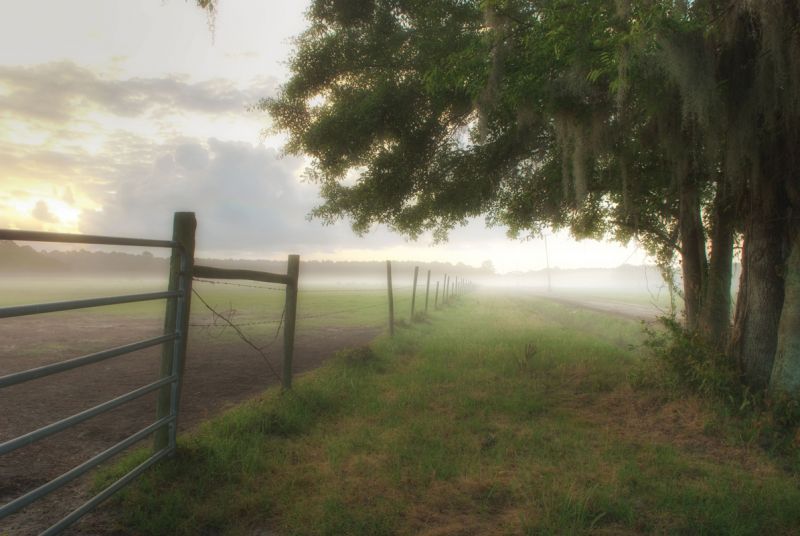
{"x":221,"y":371}
{"x":646,"y":312}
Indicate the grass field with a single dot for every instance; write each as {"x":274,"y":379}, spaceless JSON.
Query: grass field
{"x":246,"y":301}
{"x":497,"y":415}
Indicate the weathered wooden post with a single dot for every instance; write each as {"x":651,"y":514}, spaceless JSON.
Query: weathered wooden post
{"x":427,"y":290}
{"x":414,"y":292}
{"x":391,"y":298}
{"x":176,"y":319}
{"x":290,"y":319}
{"x":436,"y":297}
{"x":444,"y":290}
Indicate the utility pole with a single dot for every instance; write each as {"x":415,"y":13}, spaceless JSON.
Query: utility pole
{"x":547,"y":260}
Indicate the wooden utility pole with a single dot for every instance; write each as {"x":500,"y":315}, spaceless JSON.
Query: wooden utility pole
{"x":176,"y":319}
{"x":547,"y":261}
{"x":293,"y":272}
{"x":391,"y":298}
{"x":414,"y":292}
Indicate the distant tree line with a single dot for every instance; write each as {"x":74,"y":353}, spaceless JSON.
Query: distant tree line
{"x":17,"y":259}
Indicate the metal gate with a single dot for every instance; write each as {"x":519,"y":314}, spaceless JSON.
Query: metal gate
{"x":168,"y":385}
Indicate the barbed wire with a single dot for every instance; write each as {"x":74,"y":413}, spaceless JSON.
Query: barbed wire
{"x":371,"y":289}
{"x":281,"y":289}
{"x":260,"y":287}
{"x":240,"y":333}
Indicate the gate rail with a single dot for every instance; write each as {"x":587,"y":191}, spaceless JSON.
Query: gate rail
{"x":178,"y":298}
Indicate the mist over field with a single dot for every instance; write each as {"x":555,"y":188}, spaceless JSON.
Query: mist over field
{"x":24,"y":260}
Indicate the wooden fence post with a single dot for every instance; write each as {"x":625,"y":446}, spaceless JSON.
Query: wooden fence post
{"x":391,"y":297}
{"x":184,"y":225}
{"x":427,"y":290}
{"x":444,"y":290}
{"x":436,"y":297}
{"x":290,"y":319}
{"x":414,"y":292}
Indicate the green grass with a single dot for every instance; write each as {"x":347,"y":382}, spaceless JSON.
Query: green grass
{"x":452,"y":427}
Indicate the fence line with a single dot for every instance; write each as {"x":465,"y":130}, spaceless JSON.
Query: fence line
{"x":182,"y":273}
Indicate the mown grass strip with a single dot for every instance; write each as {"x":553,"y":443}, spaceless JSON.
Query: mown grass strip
{"x":500,"y":415}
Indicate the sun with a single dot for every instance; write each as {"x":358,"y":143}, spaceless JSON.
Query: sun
{"x":46,"y":213}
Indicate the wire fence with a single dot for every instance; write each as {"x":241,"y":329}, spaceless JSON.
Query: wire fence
{"x":225,"y":320}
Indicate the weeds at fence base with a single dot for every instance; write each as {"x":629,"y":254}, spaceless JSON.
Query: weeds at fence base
{"x":362,"y":356}
{"x":421,"y":318}
{"x":681,"y":364}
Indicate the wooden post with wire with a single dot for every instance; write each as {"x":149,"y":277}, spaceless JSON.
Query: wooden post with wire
{"x":444,"y":290}
{"x":414,"y":292}
{"x":427,"y":290}
{"x":290,"y":319}
{"x":391,"y":297}
{"x":181,"y":265}
{"x":436,"y":297}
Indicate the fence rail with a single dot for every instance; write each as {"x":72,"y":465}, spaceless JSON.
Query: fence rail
{"x":227,"y":273}
{"x":39,"y":308}
{"x":66,"y":238}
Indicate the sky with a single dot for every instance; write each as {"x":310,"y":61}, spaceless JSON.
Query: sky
{"x":114,"y":115}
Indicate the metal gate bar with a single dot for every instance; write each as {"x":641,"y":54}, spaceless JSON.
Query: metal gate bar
{"x":38,"y":308}
{"x":21,"y":502}
{"x":63,"y":424}
{"x":88,"y":359}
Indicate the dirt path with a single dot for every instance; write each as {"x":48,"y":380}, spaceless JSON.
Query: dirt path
{"x":636,"y":311}
{"x":220,"y":372}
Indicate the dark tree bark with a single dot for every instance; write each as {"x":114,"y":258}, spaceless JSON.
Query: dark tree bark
{"x":715,"y":315}
{"x":760,"y":299}
{"x":785,"y":379}
{"x":694,"y":264}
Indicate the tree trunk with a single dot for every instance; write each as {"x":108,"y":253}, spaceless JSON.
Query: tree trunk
{"x":760,"y":299}
{"x":715,"y":314}
{"x":785,"y":377}
{"x":693,"y":253}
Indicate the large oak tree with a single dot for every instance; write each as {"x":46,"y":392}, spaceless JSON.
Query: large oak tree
{"x":672,"y":122}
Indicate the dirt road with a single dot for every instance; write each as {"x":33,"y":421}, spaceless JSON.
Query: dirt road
{"x":637,"y":311}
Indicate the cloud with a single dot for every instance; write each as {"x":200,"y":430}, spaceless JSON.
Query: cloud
{"x":62,"y":91}
{"x":42,"y":213}
{"x":247,"y":198}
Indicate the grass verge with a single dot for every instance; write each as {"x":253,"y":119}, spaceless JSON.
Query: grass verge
{"x":500,"y":415}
